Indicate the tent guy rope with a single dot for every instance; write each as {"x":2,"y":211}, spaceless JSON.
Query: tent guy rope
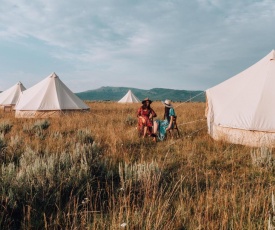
{"x":190,"y":99}
{"x":203,"y":119}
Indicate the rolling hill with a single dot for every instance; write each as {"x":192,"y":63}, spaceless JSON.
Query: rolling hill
{"x":116,"y":93}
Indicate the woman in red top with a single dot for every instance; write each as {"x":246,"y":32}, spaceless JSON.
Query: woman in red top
{"x":145,"y":117}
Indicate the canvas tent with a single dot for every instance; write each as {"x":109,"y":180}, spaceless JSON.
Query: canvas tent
{"x":49,"y":98}
{"x":129,"y":98}
{"x":9,"y":97}
{"x":241,"y":109}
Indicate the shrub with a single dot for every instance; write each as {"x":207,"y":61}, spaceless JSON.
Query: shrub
{"x":5,"y":127}
{"x":41,"y":124}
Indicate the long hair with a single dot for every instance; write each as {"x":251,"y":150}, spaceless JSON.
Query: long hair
{"x":166,"y":113}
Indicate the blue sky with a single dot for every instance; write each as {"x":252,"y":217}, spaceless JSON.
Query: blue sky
{"x":176,"y":44}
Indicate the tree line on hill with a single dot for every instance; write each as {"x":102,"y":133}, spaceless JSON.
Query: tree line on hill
{"x":116,"y":93}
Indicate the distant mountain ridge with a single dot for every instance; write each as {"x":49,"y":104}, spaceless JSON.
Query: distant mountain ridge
{"x":156,"y":94}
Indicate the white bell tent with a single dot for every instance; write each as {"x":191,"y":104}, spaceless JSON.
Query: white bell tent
{"x":9,"y":97}
{"x":129,"y":98}
{"x":241,"y":110}
{"x":49,"y":98}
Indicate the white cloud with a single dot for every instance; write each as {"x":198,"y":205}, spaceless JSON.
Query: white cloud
{"x":191,"y":43}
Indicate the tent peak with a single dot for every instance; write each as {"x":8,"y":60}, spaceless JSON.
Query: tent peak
{"x":272,"y":56}
{"x":129,"y":98}
{"x":53,"y":75}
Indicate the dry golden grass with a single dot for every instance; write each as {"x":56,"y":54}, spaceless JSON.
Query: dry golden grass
{"x":91,"y":171}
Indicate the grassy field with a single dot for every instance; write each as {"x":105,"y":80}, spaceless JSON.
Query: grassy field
{"x":91,"y":171}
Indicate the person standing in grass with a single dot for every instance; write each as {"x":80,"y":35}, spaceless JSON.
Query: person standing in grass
{"x":145,"y":116}
{"x":162,"y":126}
